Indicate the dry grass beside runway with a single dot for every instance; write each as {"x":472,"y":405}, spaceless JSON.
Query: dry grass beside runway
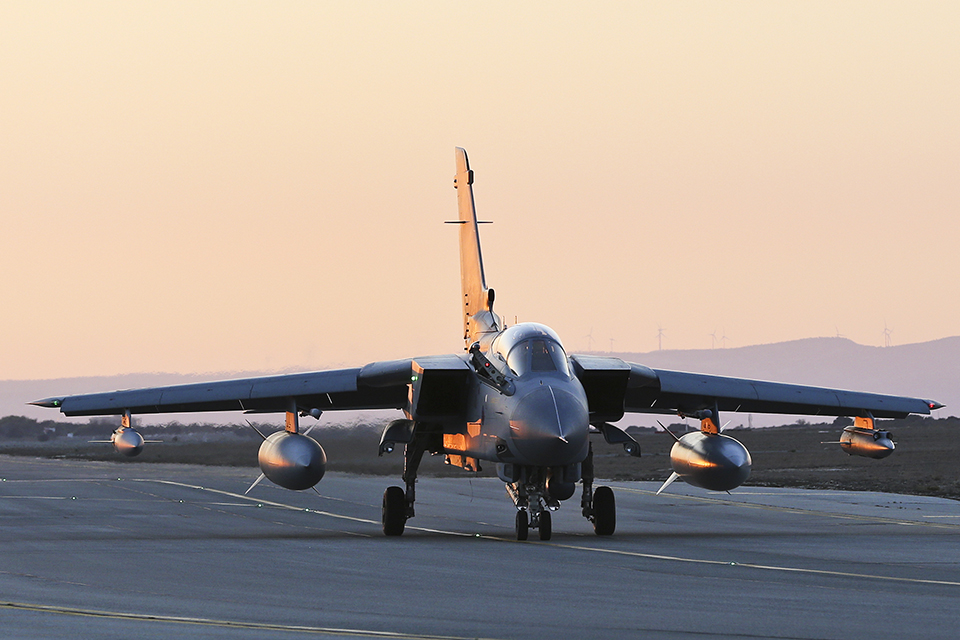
{"x":925,"y":462}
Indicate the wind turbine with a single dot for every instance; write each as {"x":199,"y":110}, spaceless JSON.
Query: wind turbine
{"x":589,"y":338}
{"x":886,"y":334}
{"x":659,"y":338}
{"x":713,"y":339}
{"x":723,"y":340}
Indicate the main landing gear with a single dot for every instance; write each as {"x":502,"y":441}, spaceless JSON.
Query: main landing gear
{"x":397,"y":502}
{"x":394,"y":514}
{"x":598,"y":506}
{"x":604,"y":516}
{"x":535,"y":505}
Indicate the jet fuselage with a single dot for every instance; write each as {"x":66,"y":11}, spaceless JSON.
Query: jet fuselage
{"x":537,"y":415}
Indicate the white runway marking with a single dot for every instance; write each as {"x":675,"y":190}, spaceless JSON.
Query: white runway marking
{"x":227,"y":624}
{"x":749,"y":565}
{"x":637,"y":554}
{"x":796,"y":510}
{"x":289,"y":507}
{"x":253,"y":500}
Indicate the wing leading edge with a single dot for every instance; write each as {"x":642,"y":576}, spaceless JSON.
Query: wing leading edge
{"x":664,"y":391}
{"x":380,"y":385}
{"x":614,"y":387}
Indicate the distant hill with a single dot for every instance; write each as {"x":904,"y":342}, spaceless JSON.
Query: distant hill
{"x":925,"y":370}
{"x":929,"y":370}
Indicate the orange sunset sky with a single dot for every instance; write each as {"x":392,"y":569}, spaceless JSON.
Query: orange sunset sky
{"x":219,"y":186}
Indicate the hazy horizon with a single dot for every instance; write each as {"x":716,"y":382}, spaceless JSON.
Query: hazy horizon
{"x":335,"y":365}
{"x":257,"y":187}
{"x":925,"y":370}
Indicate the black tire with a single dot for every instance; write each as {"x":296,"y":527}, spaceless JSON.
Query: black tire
{"x":523,"y":525}
{"x":546,"y":525}
{"x":394,"y":514}
{"x":604,"y":511}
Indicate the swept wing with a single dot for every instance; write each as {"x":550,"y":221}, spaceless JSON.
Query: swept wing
{"x":381,"y":385}
{"x":613,"y":387}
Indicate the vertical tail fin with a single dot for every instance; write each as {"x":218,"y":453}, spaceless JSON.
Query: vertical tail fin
{"x":477,"y":302}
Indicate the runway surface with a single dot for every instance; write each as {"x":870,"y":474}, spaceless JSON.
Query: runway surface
{"x":103,"y":550}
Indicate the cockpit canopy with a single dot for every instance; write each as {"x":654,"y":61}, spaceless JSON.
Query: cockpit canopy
{"x":531,"y":347}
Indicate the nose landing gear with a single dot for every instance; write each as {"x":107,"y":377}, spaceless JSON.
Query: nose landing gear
{"x":523,"y":524}
{"x":533,"y":509}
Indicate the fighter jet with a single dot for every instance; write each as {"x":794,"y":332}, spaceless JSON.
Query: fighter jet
{"x":513,"y":398}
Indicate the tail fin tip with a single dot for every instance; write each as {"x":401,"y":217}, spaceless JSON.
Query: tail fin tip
{"x":463,"y":168}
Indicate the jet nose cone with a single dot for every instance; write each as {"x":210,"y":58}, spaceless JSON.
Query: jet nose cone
{"x":550,"y":427}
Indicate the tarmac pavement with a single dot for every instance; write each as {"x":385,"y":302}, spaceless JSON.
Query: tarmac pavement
{"x":103,"y":550}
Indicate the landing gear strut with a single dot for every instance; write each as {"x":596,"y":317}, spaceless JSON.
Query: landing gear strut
{"x":397,"y":502}
{"x":534,"y":505}
{"x":599,"y":507}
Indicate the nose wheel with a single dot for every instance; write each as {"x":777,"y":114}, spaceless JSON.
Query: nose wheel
{"x":533,"y":510}
{"x":523,"y":525}
{"x":544,"y":525}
